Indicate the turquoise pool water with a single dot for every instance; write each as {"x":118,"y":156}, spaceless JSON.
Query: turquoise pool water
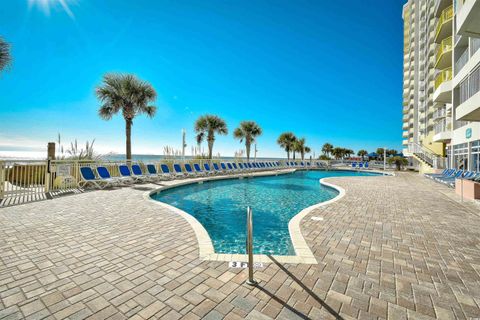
{"x":220,"y":206}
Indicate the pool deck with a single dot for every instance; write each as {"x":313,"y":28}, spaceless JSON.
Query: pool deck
{"x":393,"y":247}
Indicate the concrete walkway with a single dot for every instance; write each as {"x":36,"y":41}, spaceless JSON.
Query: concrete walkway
{"x":393,"y":247}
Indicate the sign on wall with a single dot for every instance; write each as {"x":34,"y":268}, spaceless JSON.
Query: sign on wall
{"x":468,"y":133}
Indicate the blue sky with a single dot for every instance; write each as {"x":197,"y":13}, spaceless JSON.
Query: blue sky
{"x":330,"y":71}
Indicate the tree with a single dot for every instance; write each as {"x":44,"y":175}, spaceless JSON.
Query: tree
{"x":391,"y":152}
{"x":348,"y":152}
{"x":338,"y":153}
{"x":207,"y":126}
{"x":5,"y":56}
{"x":362,"y":153}
{"x":128,"y":94}
{"x":287,"y":140}
{"x":248,"y":131}
{"x":399,"y":162}
{"x":327,"y":149}
{"x":380,"y":152}
{"x":301,"y":147}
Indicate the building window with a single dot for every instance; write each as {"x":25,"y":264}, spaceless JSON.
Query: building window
{"x":476,"y":156}
{"x":460,"y":156}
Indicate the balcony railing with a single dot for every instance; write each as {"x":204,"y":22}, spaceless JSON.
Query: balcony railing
{"x":474,"y":45}
{"x":443,"y":125}
{"x":445,"y":46}
{"x":470,"y":86}
{"x":439,"y":113}
{"x":447,"y":15}
{"x":461,"y":62}
{"x":443,"y":76}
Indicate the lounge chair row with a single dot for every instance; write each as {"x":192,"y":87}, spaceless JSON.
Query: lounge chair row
{"x":302,"y":164}
{"x":360,"y":165}
{"x":100,"y":177}
{"x":448,"y":176}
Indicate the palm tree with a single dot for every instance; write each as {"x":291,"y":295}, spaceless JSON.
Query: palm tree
{"x":5,"y":56}
{"x":301,"y":147}
{"x":348,"y":152}
{"x":327,"y":149}
{"x":207,"y":126}
{"x":362,"y":153}
{"x":338,"y":153}
{"x":287,"y":140}
{"x":248,"y":131}
{"x":380,"y":152}
{"x":128,"y":94}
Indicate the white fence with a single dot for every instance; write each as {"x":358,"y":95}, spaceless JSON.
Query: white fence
{"x":24,"y":181}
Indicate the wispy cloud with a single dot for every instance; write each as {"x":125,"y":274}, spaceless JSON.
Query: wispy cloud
{"x":44,"y":5}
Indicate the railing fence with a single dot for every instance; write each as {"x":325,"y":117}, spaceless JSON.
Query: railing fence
{"x":24,"y":181}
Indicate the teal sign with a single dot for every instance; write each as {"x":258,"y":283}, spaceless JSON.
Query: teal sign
{"x":468,"y":133}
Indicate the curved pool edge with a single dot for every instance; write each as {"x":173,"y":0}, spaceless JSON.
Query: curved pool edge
{"x":298,"y":241}
{"x":303,"y":252}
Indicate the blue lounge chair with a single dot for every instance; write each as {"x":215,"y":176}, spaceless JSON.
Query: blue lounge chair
{"x":444,"y":173}
{"x":360,"y":165}
{"x":451,"y":179}
{"x":216,"y":168}
{"x":138,"y":173}
{"x":241,"y":167}
{"x":199,"y":170}
{"x":230,"y":167}
{"x":104,"y":174}
{"x":153,"y":174}
{"x":366,"y":164}
{"x":236,"y":168}
{"x":166,"y":171}
{"x":224,"y":167}
{"x":188,"y":170}
{"x":208,"y":170}
{"x":178,"y":171}
{"x":449,"y":174}
{"x":354,"y":164}
{"x":125,"y":172}
{"x":88,"y":179}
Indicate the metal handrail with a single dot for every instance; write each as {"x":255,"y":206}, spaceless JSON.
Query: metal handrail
{"x":251,"y":281}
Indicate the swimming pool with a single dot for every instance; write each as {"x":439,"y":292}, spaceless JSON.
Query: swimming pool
{"x":220,"y":206}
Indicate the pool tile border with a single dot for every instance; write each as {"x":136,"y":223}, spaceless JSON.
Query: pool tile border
{"x":303,"y":252}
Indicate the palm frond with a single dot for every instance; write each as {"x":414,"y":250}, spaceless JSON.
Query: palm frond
{"x":5,"y":55}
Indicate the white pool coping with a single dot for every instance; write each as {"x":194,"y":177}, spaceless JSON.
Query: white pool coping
{"x":303,"y":253}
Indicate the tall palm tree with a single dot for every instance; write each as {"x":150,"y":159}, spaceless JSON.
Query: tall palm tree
{"x":362,"y":153}
{"x":248,"y":131}
{"x":127,"y":94}
{"x":287,"y":141}
{"x":380,"y":153}
{"x":327,"y":149}
{"x":301,"y":147}
{"x":5,"y":56}
{"x":338,"y":153}
{"x":348,"y":152}
{"x":207,"y":126}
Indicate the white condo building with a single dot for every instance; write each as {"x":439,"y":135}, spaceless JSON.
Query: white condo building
{"x":441,"y":86}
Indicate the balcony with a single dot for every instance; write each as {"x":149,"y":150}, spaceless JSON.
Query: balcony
{"x":444,"y":54}
{"x":461,"y":62}
{"x":443,"y":86}
{"x":405,"y":134}
{"x":444,"y":25}
{"x":468,"y":18}
{"x":405,"y":142}
{"x":469,"y":100}
{"x":443,"y":131}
